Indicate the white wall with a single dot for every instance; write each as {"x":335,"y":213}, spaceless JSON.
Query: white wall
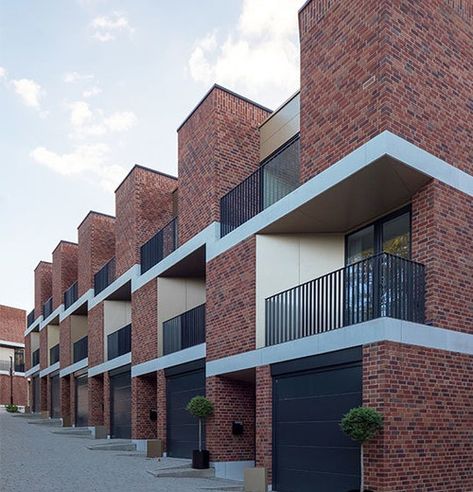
{"x":79,"y":328}
{"x":53,"y":338}
{"x":116,"y":315}
{"x":6,"y":352}
{"x":287,"y":260}
{"x":176,"y":296}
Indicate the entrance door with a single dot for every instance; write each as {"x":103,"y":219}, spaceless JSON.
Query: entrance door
{"x":182,"y":428}
{"x":55,"y":409}
{"x":36,"y":394}
{"x":310,"y":452}
{"x":82,"y":401}
{"x":120,"y":405}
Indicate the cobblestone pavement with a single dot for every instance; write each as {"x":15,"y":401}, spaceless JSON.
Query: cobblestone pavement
{"x":32,"y":458}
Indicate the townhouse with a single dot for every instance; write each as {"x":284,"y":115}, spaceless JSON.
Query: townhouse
{"x":12,"y":357}
{"x":306,"y":261}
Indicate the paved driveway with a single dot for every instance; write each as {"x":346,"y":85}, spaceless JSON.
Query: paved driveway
{"x":35,"y":460}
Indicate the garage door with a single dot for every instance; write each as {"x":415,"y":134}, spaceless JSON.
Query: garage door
{"x":82,"y":401}
{"x":36,"y":395}
{"x":120,"y":405}
{"x":310,"y":452}
{"x":55,"y":396}
{"x":182,"y":428}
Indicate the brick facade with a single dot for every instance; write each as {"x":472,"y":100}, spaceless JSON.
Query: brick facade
{"x":64,"y":270}
{"x":43,"y":278}
{"x":95,"y":335}
{"x":19,"y":390}
{"x":12,"y":324}
{"x":65,"y":352}
{"x":161,"y":407}
{"x":264,"y":419}
{"x":144,"y":322}
{"x":66,"y":408}
{"x":96,"y":400}
{"x":143,"y":400}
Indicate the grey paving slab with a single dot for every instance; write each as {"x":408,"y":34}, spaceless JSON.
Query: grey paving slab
{"x":33,"y":458}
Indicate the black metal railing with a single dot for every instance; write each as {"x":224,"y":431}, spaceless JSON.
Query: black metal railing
{"x":30,"y":319}
{"x":163,"y":243}
{"x":35,"y":358}
{"x":71,"y":295}
{"x":382,"y":285}
{"x":80,"y":349}
{"x":54,"y":354}
{"x":47,"y":307}
{"x":273,"y":180}
{"x":105,"y":276}
{"x":19,"y":360}
{"x":119,"y":342}
{"x":185,"y":330}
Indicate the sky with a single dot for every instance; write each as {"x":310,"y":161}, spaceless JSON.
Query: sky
{"x":88,"y":88}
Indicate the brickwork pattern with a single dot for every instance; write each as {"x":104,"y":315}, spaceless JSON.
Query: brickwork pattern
{"x":44,"y":389}
{"x":230,"y":304}
{"x":64,"y":270}
{"x":426,"y":399}
{"x":144,"y":323}
{"x":233,"y":401}
{"x":65,"y":355}
{"x":161,"y":407}
{"x":143,"y":400}
{"x":264,"y":419}
{"x":143,"y":206}
{"x":218,"y":147}
{"x":27,"y":352}
{"x":19,"y":390}
{"x":12,"y":324}
{"x":106,"y":402}
{"x":96,"y":400}
{"x":95,"y":335}
{"x":96,"y":246}
{"x":65,"y":389}
{"x":43,"y":348}
{"x":43,"y":278}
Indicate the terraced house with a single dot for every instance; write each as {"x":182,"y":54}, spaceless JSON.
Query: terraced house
{"x":306,"y":261}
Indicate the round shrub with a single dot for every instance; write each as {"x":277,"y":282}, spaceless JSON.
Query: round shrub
{"x":201,"y":407}
{"x":362,"y":423}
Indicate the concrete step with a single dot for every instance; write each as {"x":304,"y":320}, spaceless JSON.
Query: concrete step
{"x":73,"y":431}
{"x":27,"y":415}
{"x":113,"y":445}
{"x":53,"y":422}
{"x":183,"y":472}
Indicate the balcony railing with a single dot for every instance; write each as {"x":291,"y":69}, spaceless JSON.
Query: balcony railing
{"x":80,"y":349}
{"x":382,"y":285}
{"x":119,"y":342}
{"x":105,"y":276}
{"x":163,"y":243}
{"x":47,"y":308}
{"x":273,"y":180}
{"x":35,"y":358}
{"x":54,"y":354}
{"x":71,"y":295}
{"x":30,"y":319}
{"x":185,"y":330}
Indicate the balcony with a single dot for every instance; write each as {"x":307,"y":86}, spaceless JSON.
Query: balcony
{"x":119,"y":342}
{"x":30,"y":319}
{"x":163,"y":243}
{"x":35,"y":358}
{"x":184,"y":331}
{"x":105,"y":276}
{"x":273,"y":180}
{"x":71,"y":295}
{"x":80,"y":349}
{"x":379,"y":286}
{"x":54,"y":354}
{"x":47,"y":308}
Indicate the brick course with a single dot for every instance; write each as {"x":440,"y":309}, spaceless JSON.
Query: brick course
{"x":264,"y":419}
{"x":19,"y":390}
{"x":96,"y":400}
{"x":64,"y":270}
{"x":143,"y":399}
{"x":161,"y":407}
{"x":43,"y":275}
{"x":95,"y":335}
{"x":65,"y":355}
{"x":12,"y":324}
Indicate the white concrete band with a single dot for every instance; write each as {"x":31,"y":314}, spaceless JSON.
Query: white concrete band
{"x":77,"y":366}
{"x":45,"y":372}
{"x":5,"y":343}
{"x":32,"y":371}
{"x":82,"y":300}
{"x":109,"y":365}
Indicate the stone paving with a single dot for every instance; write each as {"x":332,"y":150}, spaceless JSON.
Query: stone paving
{"x":33,"y":458}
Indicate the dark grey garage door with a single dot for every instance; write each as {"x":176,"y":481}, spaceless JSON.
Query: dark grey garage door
{"x":182,"y":428}
{"x":310,"y":452}
{"x":36,"y":395}
{"x":82,"y":401}
{"x":55,"y":396}
{"x":120,"y":405}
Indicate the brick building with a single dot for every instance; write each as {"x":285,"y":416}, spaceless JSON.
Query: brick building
{"x":305,"y":261}
{"x":12,"y":357}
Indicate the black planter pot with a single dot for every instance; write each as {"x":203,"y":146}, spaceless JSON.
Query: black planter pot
{"x":200,"y":459}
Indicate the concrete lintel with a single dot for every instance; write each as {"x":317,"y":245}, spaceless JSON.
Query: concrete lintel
{"x":109,"y":365}
{"x":77,"y":366}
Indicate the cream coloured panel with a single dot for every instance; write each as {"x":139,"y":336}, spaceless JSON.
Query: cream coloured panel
{"x":116,"y":315}
{"x":6,"y":353}
{"x":79,"y":328}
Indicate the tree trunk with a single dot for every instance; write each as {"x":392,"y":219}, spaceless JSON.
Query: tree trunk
{"x":362,"y":478}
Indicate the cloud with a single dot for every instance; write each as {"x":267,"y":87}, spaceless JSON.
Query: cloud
{"x":73,"y":77}
{"x":105,"y":29}
{"x":89,"y":161}
{"x":80,"y":113}
{"x":3,"y":73}
{"x":260,"y":56}
{"x":120,"y":122}
{"x":93,"y":91}
{"x":29,"y":91}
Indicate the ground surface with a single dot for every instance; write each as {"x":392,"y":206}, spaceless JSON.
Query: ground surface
{"x":32,"y":458}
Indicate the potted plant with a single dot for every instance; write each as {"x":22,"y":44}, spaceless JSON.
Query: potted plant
{"x":202,"y":408}
{"x":362,"y":424}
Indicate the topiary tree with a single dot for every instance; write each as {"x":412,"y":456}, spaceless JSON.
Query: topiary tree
{"x":202,"y":408}
{"x":362,"y":424}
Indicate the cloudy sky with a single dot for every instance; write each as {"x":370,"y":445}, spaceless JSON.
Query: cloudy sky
{"x":90,"y":87}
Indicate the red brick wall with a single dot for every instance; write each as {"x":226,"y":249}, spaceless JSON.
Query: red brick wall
{"x":264,"y":419}
{"x":12,"y":324}
{"x":43,"y":348}
{"x":19,"y":390}
{"x":374,"y":65}
{"x":143,"y":206}
{"x":218,"y":146}
{"x":28,"y":352}
{"x":230,"y":304}
{"x":96,"y":236}
{"x":106,"y":401}
{"x":64,"y":272}
{"x":233,"y":401}
{"x":42,"y":285}
{"x":161,"y":407}
{"x":426,"y":399}
{"x":96,"y":400}
{"x":72,"y":405}
{"x":95,"y":335}
{"x":65,"y":355}
{"x":442,"y":235}
{"x":143,"y":399}
{"x":44,"y":390}
{"x":144,"y":323}
{"x":65,"y":389}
